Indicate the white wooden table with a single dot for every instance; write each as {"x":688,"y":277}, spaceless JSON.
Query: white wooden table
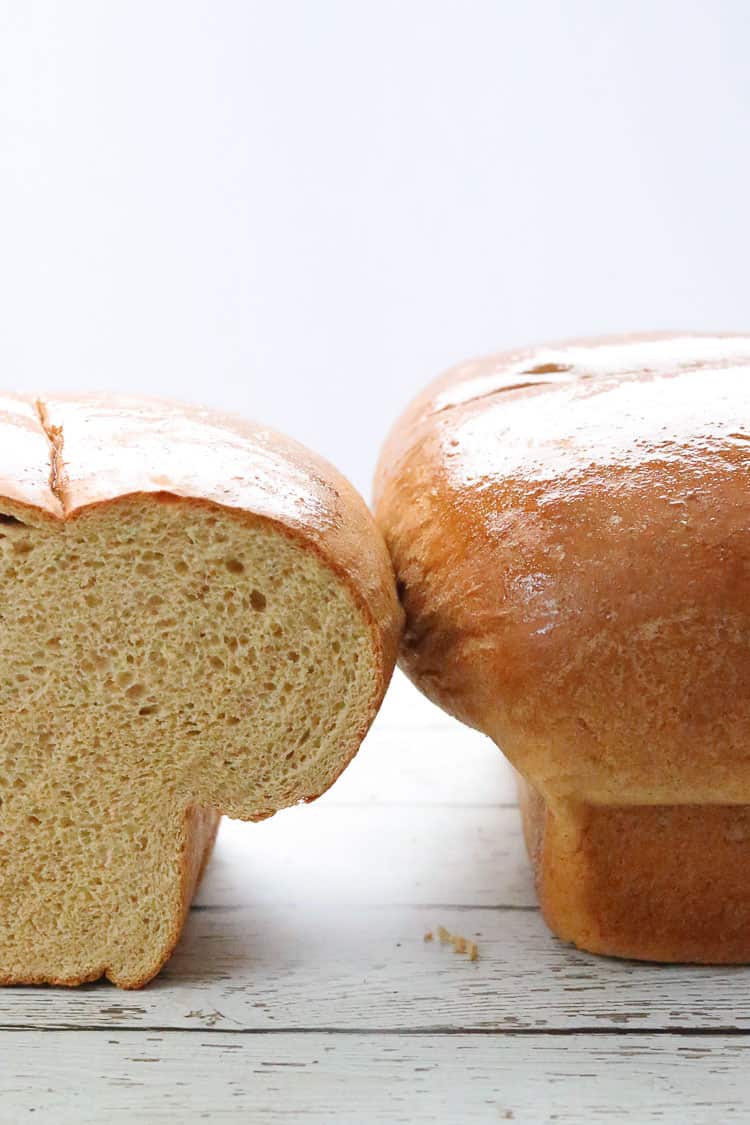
{"x":303,"y":989}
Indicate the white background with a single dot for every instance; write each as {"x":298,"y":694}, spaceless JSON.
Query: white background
{"x":304,"y":210}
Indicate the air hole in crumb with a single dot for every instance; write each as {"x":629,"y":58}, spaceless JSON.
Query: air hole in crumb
{"x":136,"y":691}
{"x":11,"y":519}
{"x":234,"y":566}
{"x":149,"y":709}
{"x":257,"y":600}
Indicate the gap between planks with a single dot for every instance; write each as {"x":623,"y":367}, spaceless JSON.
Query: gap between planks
{"x":436,"y":1032}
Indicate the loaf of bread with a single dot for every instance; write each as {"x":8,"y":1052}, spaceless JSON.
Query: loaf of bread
{"x":198,"y":617}
{"x":570,"y":528}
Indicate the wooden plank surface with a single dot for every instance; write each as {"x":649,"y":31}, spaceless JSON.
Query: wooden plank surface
{"x":88,"y":1078}
{"x":303,"y":987}
{"x":346,"y":855}
{"x":369,"y":968}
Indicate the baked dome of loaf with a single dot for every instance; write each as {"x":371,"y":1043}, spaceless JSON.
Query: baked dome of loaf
{"x":198,"y":617}
{"x":570,"y":528}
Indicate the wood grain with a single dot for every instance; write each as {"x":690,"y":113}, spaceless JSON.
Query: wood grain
{"x":88,"y":1078}
{"x":370,"y":968}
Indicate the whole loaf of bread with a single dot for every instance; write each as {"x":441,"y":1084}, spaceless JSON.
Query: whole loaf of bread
{"x":198,"y":617}
{"x":570,"y":528}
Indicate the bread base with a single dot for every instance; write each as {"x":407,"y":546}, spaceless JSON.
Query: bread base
{"x":199,"y":829}
{"x":654,"y":883}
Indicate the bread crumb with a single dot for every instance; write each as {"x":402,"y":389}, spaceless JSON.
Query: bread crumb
{"x":458,"y":941}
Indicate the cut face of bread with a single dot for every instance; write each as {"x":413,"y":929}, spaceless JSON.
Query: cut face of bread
{"x":164,"y":658}
{"x":570,"y":527}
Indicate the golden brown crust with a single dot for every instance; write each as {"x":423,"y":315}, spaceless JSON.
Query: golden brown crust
{"x":570,"y":527}
{"x":654,"y":883}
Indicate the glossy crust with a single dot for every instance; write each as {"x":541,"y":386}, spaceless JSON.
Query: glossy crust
{"x":62,"y":455}
{"x":570,"y":528}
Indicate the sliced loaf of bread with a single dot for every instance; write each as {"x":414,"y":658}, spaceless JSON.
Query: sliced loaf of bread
{"x":198,"y":617}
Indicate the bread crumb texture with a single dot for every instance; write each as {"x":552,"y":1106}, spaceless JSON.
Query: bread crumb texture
{"x":161,"y":662}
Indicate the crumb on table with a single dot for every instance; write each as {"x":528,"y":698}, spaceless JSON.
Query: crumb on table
{"x":460,"y":944}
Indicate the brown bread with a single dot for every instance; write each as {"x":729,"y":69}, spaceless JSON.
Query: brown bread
{"x":570,"y":528}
